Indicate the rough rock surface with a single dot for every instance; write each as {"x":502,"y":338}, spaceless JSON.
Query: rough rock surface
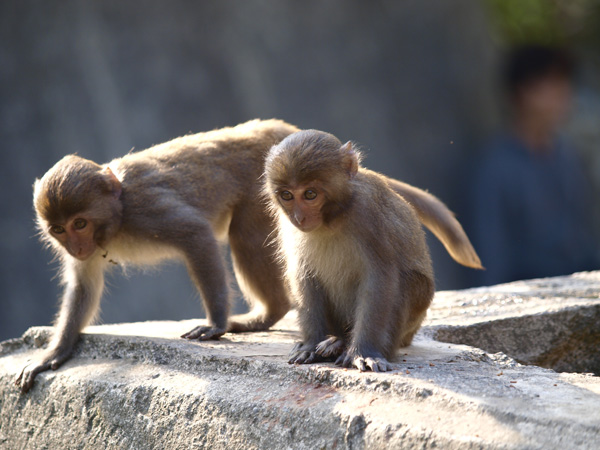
{"x":550,"y":322}
{"x":138,"y":386}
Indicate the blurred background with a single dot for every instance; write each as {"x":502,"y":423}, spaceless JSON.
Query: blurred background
{"x":415,"y":83}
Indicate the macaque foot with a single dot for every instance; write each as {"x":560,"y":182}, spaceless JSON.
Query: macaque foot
{"x":25,"y":380}
{"x":205,"y":333}
{"x":363,"y":363}
{"x":304,"y":354}
{"x":331,"y":347}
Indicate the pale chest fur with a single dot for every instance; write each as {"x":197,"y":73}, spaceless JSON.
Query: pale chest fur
{"x":332,"y":258}
{"x":142,"y":253}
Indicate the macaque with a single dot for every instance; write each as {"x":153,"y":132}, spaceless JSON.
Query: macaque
{"x":175,"y":200}
{"x":356,"y":261}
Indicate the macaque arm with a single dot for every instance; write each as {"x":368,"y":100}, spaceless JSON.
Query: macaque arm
{"x":312,"y":318}
{"x":84,"y":282}
{"x":373,"y":322}
{"x":440,"y":221}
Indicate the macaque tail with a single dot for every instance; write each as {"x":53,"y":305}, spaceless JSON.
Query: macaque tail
{"x":440,"y":221}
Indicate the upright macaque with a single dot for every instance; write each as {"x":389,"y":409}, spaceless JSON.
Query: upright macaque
{"x":175,"y":200}
{"x":356,"y":260}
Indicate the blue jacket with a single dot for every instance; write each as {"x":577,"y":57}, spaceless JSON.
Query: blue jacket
{"x":531,"y":213}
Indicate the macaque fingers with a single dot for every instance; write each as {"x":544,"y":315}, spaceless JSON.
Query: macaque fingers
{"x":347,"y":360}
{"x":378,"y":364}
{"x":362,"y":363}
{"x":304,"y":358}
{"x":304,"y":354}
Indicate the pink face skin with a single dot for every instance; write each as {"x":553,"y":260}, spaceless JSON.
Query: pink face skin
{"x":76,"y":235}
{"x":303,"y":205}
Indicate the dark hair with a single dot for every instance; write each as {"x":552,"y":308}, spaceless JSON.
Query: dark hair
{"x":530,"y":63}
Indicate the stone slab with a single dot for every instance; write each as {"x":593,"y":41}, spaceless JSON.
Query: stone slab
{"x":138,"y":386}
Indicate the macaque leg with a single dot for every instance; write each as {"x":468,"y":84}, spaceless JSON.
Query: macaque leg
{"x":419,"y":292}
{"x":312,"y":316}
{"x":406,"y":339}
{"x":258,"y":274}
{"x":81,"y":298}
{"x":207,"y":269}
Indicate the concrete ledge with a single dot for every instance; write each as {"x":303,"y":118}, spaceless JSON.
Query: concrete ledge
{"x":138,"y":386}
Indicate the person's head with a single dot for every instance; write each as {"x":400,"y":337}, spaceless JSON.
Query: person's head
{"x":538,"y":80}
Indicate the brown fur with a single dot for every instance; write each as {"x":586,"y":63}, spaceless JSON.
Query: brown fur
{"x":363,"y":276}
{"x":175,"y":200}
{"x":440,"y":221}
{"x":69,"y":189}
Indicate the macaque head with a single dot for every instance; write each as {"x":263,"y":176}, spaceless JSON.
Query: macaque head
{"x":78,"y":206}
{"x":308,"y":175}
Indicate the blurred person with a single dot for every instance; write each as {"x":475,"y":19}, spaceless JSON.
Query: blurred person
{"x":532,"y":209}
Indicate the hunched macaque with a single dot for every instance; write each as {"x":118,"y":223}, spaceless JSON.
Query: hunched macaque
{"x":356,"y":261}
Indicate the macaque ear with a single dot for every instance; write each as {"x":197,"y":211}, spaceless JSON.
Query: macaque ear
{"x":350,"y":159}
{"x":114,"y":182}
{"x":36,"y":186}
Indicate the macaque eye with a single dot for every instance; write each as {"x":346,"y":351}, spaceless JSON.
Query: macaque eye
{"x":286,"y":195}
{"x":79,"y":224}
{"x":310,"y":194}
{"x":57,"y":229}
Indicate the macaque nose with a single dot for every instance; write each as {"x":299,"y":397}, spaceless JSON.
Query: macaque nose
{"x":299,"y":217}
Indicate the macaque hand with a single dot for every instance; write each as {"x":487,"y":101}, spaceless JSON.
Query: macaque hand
{"x":363,"y":363}
{"x":304,"y":354}
{"x":331,"y":347}
{"x":50,"y":360}
{"x":205,"y":333}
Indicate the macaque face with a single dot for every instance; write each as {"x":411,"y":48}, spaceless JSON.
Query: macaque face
{"x":302,"y":205}
{"x":76,"y":235}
